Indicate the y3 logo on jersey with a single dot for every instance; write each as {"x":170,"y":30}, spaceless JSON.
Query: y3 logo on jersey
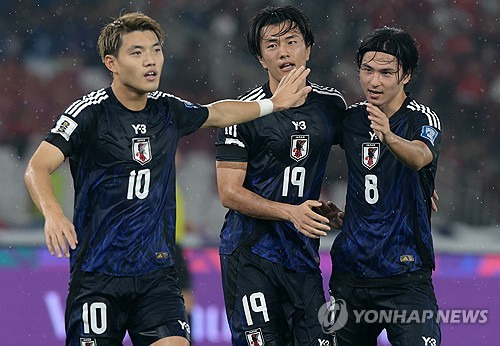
{"x":428,"y":341}
{"x":139,"y":128}
{"x":299,"y":125}
{"x":185,"y":326}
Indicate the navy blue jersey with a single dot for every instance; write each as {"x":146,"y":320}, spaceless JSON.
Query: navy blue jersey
{"x":286,"y":154}
{"x":122,"y":163}
{"x":387,"y":228}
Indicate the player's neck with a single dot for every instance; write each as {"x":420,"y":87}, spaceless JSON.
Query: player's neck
{"x":273,"y":85}
{"x":129,"y":97}
{"x":392,"y":107}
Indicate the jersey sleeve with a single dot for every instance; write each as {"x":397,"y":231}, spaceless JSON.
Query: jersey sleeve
{"x":338,"y":118}
{"x":338,"y":107}
{"x":231,"y":144}
{"x":188,"y":116}
{"x":427,"y":128}
{"x":71,"y":130}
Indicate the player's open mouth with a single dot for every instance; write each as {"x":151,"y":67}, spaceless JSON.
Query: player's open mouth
{"x":374,"y":92}
{"x":287,"y":66}
{"x":151,"y":75}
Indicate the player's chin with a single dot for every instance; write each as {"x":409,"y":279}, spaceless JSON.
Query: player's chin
{"x":150,"y":87}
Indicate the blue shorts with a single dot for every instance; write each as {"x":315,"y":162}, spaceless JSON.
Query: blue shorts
{"x":101,"y":308}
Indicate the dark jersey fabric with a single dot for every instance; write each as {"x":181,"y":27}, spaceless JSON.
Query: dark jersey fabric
{"x":387,"y":229}
{"x":123,"y":168}
{"x":286,"y":154}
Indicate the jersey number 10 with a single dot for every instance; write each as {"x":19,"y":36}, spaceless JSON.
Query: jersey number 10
{"x":138,"y":184}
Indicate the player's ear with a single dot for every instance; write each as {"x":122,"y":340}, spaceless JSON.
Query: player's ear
{"x":308,"y":53}
{"x":263,"y":63}
{"x":110,"y":62}
{"x":406,"y":79}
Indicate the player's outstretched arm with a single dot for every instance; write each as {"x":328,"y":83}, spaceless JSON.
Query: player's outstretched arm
{"x":59,"y":231}
{"x":291,"y":91}
{"x":413,"y":154}
{"x":230,"y":178}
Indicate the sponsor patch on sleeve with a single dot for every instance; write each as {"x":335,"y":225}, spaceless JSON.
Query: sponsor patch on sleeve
{"x":429,"y":133}
{"x":65,"y":127}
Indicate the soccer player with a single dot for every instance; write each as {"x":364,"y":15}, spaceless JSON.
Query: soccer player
{"x":121,"y":143}
{"x":383,"y":258}
{"x":269,"y":175}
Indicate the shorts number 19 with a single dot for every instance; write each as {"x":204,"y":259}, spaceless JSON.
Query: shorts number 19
{"x":258,"y":304}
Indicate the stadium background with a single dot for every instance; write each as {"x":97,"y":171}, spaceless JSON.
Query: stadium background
{"x":48,"y":58}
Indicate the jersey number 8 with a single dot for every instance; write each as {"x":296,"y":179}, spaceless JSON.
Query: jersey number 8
{"x":371,"y":191}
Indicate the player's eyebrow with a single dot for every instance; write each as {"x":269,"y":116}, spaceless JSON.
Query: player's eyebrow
{"x":271,"y":39}
{"x":138,"y":46}
{"x":366,"y":64}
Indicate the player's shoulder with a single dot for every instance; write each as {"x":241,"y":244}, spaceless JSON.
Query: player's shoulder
{"x":423,"y":113}
{"x":356,"y":108}
{"x":161,"y":96}
{"x":87,"y":103}
{"x":328,"y":94}
{"x":257,"y":93}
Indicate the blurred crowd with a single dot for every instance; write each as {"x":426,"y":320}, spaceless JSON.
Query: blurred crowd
{"x":48,"y":58}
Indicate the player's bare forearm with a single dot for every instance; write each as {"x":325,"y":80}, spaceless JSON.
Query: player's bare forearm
{"x":230,"y":178}
{"x":45,"y":160}
{"x":234,"y":196}
{"x":59,"y":231}
{"x":291,"y":92}
{"x":413,"y":154}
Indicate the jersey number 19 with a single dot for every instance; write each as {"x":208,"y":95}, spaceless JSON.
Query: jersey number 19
{"x":296,"y":177}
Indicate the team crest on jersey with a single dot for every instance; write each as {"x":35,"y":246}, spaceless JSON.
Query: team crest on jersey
{"x":141,"y":150}
{"x":370,"y":153}
{"x":299,"y":147}
{"x":255,"y":337}
{"x":87,"y":342}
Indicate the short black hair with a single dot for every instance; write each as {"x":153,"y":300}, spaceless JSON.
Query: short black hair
{"x":394,"y":41}
{"x":275,"y":15}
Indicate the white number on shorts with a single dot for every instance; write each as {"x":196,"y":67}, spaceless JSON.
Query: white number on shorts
{"x":135,"y":184}
{"x":91,"y":315}
{"x":371,"y":191}
{"x":258,"y":304}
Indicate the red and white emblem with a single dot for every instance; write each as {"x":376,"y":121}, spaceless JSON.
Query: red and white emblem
{"x":87,"y":342}
{"x":141,"y":150}
{"x":299,"y":147}
{"x":255,"y":338}
{"x":370,"y":153}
